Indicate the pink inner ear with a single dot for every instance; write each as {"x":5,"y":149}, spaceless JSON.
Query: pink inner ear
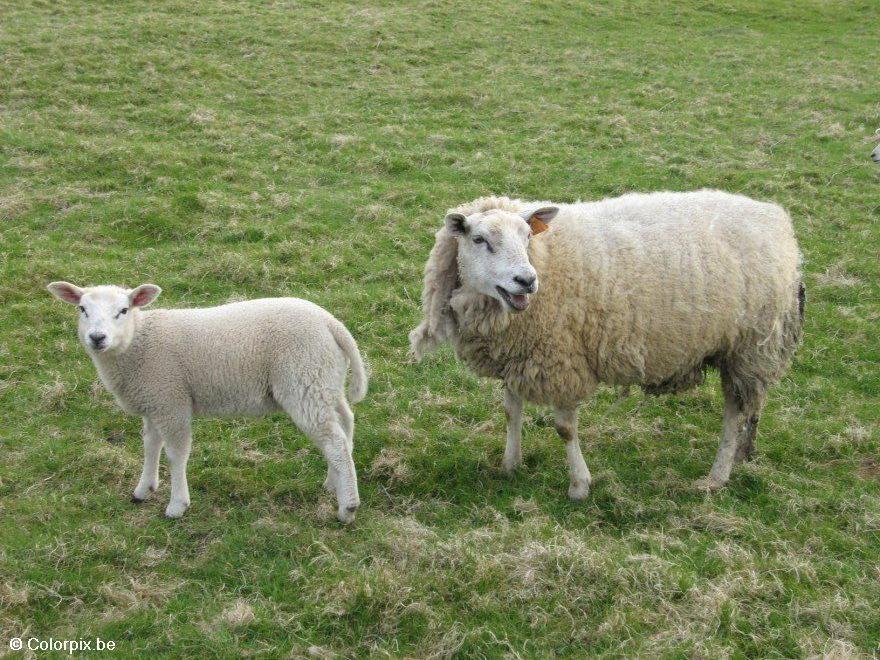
{"x":143,"y":296}
{"x":69,"y":294}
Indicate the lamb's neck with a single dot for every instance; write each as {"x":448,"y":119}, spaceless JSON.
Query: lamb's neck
{"x":112,"y":364}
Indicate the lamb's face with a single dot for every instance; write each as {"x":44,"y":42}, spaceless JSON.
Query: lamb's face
{"x":492,"y":253}
{"x":105,"y":319}
{"x":875,"y":155}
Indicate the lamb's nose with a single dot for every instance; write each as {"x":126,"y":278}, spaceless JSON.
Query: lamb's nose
{"x":526,"y":282}
{"x":97,"y":338}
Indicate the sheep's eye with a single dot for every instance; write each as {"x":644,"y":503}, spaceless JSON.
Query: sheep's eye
{"x":122,"y":311}
{"x":479,"y":240}
{"x":83,"y":310}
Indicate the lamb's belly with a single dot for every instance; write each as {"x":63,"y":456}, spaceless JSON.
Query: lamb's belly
{"x":222,"y":402}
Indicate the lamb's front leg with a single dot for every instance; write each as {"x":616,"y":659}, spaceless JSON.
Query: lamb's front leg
{"x":513,"y":406}
{"x":149,"y":481}
{"x":567,"y":428}
{"x":176,"y":433}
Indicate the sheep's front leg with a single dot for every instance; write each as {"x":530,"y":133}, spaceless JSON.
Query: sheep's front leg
{"x":567,"y":427}
{"x":513,"y":406}
{"x":149,"y":481}
{"x":178,"y":440}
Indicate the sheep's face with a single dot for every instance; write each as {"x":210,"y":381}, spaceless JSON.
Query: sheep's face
{"x":106,"y":321}
{"x":875,"y":155}
{"x":493,"y":253}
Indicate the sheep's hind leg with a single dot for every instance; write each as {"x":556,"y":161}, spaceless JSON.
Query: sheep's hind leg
{"x":720,"y":472}
{"x":149,"y":480}
{"x":319,"y":420}
{"x":513,"y":406}
{"x":332,"y":441}
{"x":745,"y":445}
{"x":567,"y":427}
{"x":346,"y":419}
{"x":176,"y":433}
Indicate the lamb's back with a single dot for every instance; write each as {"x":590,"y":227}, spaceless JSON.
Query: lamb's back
{"x":224,"y":358}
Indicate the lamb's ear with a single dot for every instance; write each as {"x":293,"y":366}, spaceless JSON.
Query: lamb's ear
{"x":456,"y":224}
{"x":441,"y":279}
{"x":143,"y":295}
{"x":69,"y":293}
{"x":539,"y":218}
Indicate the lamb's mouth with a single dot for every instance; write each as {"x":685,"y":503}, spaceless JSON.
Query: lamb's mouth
{"x":516,"y":301}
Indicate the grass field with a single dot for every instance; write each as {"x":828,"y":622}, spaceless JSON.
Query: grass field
{"x":233,"y":149}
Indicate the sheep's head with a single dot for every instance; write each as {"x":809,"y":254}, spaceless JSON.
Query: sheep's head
{"x":875,"y":155}
{"x":493,"y":253}
{"x":106,"y":321}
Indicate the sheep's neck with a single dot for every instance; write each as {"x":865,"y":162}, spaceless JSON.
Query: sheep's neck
{"x":112,"y":364}
{"x":490,"y":337}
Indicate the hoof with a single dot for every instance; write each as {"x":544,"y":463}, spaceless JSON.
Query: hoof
{"x":708,"y":484}
{"x":175,"y":510}
{"x":346,"y":514}
{"x":508,"y":469}
{"x":141,"y":494}
{"x":578,"y":492}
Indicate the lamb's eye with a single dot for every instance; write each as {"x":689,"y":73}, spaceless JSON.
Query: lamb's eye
{"x":479,"y":240}
{"x":122,"y":311}
{"x":83,"y":310}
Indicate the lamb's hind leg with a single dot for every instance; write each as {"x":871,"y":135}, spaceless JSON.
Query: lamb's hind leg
{"x":149,"y":481}
{"x":346,"y":419}
{"x":567,"y":427}
{"x":319,"y":420}
{"x":513,"y":406}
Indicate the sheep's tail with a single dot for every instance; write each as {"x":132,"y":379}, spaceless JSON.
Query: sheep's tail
{"x":357,"y":385}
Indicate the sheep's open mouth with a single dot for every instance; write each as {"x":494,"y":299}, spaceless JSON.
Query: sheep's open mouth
{"x":516,"y":301}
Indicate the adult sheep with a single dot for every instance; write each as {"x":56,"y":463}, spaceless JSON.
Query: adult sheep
{"x":644,"y":289}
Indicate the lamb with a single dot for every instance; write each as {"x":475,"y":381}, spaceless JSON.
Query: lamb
{"x":875,"y":155}
{"x":644,"y":289}
{"x":246,"y":358}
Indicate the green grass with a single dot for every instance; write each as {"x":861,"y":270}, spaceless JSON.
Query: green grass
{"x":237,"y":149}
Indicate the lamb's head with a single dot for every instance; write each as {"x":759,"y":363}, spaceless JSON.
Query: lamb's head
{"x":493,"y":254}
{"x":106,"y":321}
{"x":875,"y":155}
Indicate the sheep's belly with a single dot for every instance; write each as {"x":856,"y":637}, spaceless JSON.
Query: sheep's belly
{"x":544,"y":377}
{"x":240,"y":398}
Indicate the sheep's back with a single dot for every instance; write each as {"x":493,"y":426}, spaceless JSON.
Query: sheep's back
{"x":225,"y":359}
{"x":666,"y":281}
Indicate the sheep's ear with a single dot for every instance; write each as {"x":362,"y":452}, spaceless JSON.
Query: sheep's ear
{"x":143,"y":295}
{"x":456,"y":223}
{"x":539,"y":218}
{"x":69,"y":293}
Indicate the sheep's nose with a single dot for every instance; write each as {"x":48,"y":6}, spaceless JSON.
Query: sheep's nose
{"x":527,"y":283}
{"x":97,"y":338}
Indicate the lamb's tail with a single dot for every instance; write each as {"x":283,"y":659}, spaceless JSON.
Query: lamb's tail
{"x":357,"y":385}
